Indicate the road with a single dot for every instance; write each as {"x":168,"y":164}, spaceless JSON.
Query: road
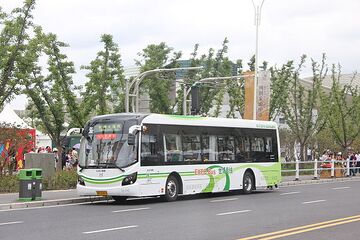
{"x":317,"y":211}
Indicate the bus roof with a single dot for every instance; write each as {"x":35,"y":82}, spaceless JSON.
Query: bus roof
{"x":207,"y":121}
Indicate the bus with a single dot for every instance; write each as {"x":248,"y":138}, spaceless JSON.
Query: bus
{"x":139,"y":155}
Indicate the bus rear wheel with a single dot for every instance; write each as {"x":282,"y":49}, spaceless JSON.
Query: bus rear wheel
{"x":171,"y":189}
{"x":248,"y":183}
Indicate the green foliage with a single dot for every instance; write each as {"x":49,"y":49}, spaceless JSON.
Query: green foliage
{"x":9,"y":183}
{"x":300,"y":101}
{"x":61,"y":180}
{"x":342,"y":109}
{"x":158,"y":85}
{"x":106,"y":81}
{"x":14,"y":37}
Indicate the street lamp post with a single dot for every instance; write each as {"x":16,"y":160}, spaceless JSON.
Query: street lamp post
{"x":209,"y":79}
{"x":257,"y":8}
{"x":138,"y":80}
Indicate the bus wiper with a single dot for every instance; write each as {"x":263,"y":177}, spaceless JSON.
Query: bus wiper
{"x":115,"y":165}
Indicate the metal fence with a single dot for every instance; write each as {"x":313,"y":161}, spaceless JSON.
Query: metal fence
{"x":317,"y":168}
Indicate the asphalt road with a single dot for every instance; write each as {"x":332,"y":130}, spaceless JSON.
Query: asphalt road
{"x":318,"y":211}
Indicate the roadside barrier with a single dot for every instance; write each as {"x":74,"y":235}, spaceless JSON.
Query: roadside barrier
{"x":320,"y":169}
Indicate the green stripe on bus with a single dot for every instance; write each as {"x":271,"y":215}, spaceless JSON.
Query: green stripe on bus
{"x":101,"y":179}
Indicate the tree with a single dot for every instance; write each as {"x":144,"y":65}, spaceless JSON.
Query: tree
{"x":106,"y":85}
{"x":13,"y":40}
{"x":47,"y":89}
{"x":342,"y":109}
{"x":301,"y":107}
{"x":158,"y":85}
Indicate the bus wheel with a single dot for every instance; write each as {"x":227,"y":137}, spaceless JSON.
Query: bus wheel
{"x":171,"y":189}
{"x":248,"y":183}
{"x":119,"y":199}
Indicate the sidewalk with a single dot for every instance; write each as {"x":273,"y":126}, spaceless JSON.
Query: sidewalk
{"x":61,"y":197}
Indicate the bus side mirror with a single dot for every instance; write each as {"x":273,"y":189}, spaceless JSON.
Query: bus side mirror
{"x":131,"y":139}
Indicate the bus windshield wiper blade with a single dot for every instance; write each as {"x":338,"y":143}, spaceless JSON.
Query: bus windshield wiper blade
{"x":114,"y":165}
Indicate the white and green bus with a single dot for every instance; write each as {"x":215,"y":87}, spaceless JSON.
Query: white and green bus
{"x":123,"y":155}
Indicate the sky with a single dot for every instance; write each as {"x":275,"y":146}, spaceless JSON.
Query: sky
{"x":288,"y":29}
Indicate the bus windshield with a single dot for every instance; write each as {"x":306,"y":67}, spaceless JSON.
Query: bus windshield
{"x":105,"y":145}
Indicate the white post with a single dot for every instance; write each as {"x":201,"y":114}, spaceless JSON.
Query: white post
{"x":297,"y":169}
{"x":348,"y":167}
{"x":126,"y":95}
{"x":332,"y":168}
{"x":315,"y":169}
{"x":184,"y":100}
{"x":257,"y":9}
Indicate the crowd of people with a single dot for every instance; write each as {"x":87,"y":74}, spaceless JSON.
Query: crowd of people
{"x":352,"y":157}
{"x":69,"y":158}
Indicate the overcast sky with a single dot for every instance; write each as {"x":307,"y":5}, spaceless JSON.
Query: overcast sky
{"x":288,"y":28}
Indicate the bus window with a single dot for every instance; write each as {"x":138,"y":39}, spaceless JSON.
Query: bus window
{"x":191,"y":148}
{"x":172,"y":150}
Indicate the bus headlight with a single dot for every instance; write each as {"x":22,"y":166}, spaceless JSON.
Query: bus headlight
{"x":81,"y":181}
{"x":130,"y":179}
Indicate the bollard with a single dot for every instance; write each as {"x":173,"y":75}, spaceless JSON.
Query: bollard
{"x":316,"y":169}
{"x":297,"y":173}
{"x":348,"y":167}
{"x":332,"y":168}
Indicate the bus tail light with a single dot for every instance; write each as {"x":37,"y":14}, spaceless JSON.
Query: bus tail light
{"x":130,"y":179}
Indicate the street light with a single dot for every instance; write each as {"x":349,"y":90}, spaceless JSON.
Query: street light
{"x":257,"y":8}
{"x":209,"y":79}
{"x":138,"y":80}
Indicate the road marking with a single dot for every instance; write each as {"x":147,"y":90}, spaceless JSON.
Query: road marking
{"x":10,"y":223}
{"x":224,"y":200}
{"x":316,"y":201}
{"x":52,"y":206}
{"x":338,"y":188}
{"x":228,"y":213}
{"x":130,"y":210}
{"x":111,"y":229}
{"x":302,"y":229}
{"x":288,"y":193}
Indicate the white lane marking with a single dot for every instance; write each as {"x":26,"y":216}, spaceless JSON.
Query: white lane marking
{"x":130,"y":210}
{"x":340,"y":188}
{"x":111,"y":229}
{"x":52,"y":206}
{"x":228,"y":213}
{"x":10,"y":223}
{"x":288,"y":193}
{"x":224,"y":200}
{"x":316,"y":201}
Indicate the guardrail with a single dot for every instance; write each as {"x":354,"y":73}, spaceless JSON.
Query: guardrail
{"x":337,"y":168}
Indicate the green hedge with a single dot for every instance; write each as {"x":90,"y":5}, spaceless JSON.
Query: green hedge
{"x":61,"y":180}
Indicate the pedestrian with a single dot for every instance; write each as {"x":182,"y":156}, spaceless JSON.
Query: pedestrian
{"x":74,"y":157}
{"x":63,"y":157}
{"x":309,"y":154}
{"x":55,"y":151}
{"x":352,"y":162}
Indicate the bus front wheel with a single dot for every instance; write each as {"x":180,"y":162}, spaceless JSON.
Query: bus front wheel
{"x":171,"y":189}
{"x":248,"y":183}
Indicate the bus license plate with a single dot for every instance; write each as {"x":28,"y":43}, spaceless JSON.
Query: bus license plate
{"x":101,"y":193}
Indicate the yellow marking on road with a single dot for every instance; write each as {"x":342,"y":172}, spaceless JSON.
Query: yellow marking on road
{"x":305,"y":228}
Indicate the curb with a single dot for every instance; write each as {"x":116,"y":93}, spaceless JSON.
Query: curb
{"x":20,"y":205}
{"x":318,"y":181}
